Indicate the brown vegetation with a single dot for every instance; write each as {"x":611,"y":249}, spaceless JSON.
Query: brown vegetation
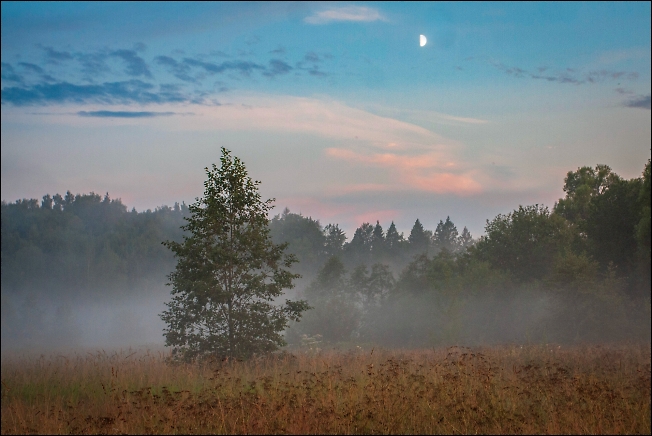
{"x":533,"y":389}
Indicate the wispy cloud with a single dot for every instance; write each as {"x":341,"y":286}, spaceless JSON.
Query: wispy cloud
{"x":345,"y":13}
{"x":126,"y":92}
{"x":430,"y":172}
{"x":277,"y":67}
{"x":326,"y":118}
{"x":136,"y":66}
{"x":278,"y":51}
{"x":568,"y":75}
{"x":311,"y":57}
{"x":244,"y":67}
{"x":32,"y":67}
{"x":123,"y":114}
{"x":426,"y":117}
{"x":9,"y":74}
{"x":54,"y":56}
{"x":640,"y":102}
{"x":180,"y":70}
{"x":93,"y":64}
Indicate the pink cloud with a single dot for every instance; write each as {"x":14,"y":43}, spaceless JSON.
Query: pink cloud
{"x":384,"y":216}
{"x":446,"y":183}
{"x":314,"y":207}
{"x":360,"y":187}
{"x":430,"y":172}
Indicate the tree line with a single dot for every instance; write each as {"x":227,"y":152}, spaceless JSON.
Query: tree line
{"x":86,"y":243}
{"x":578,"y":271}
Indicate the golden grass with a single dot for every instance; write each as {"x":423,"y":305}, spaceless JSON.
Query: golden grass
{"x":536,"y":389}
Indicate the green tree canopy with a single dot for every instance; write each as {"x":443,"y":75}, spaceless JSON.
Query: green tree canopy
{"x":611,"y":223}
{"x":525,"y":242}
{"x":229,"y":272}
{"x":580,"y":187}
{"x":305,"y":239}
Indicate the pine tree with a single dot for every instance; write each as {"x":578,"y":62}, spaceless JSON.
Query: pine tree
{"x":335,"y":238}
{"x":446,"y":236}
{"x":359,"y":249}
{"x":418,"y":238}
{"x":465,"y":240}
{"x":393,"y":239}
{"x":378,"y":240}
{"x":229,"y":273}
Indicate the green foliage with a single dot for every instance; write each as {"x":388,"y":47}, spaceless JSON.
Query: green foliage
{"x":359,"y":250}
{"x":335,"y":238}
{"x":573,"y":274}
{"x":446,"y":236}
{"x":418,"y":239}
{"x":394,"y":240}
{"x":579,"y":273}
{"x":305,"y":239}
{"x":84,"y":244}
{"x":611,"y":223}
{"x":229,"y":272}
{"x":377,"y":288}
{"x":330,"y":281}
{"x":465,"y":239}
{"x":643,"y":226}
{"x":580,"y":187}
{"x":525,"y":242}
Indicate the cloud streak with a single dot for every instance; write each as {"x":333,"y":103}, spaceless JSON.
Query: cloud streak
{"x":569,"y":75}
{"x":277,"y":67}
{"x":9,"y":73}
{"x":125,"y":92}
{"x":123,"y":114}
{"x":136,"y":65}
{"x":429,"y":172}
{"x":639,"y":102}
{"x":346,"y":13}
{"x":327,"y":118}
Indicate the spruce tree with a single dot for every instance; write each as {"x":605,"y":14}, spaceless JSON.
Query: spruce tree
{"x":446,"y":235}
{"x":393,"y":239}
{"x":418,"y":238}
{"x":378,"y":241}
{"x":229,"y":273}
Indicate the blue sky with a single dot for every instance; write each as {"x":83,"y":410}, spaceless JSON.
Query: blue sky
{"x":333,"y":106}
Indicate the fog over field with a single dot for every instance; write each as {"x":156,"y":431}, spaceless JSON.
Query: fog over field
{"x":446,"y":174}
{"x":531,"y":278}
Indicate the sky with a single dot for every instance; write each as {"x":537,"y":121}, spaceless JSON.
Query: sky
{"x":334,"y":107}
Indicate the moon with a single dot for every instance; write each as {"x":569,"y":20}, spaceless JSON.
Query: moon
{"x":422,"y":40}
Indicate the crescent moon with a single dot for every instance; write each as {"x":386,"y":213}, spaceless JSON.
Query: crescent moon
{"x":422,"y":40}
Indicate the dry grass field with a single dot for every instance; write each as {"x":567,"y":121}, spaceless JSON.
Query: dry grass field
{"x":534,"y":389}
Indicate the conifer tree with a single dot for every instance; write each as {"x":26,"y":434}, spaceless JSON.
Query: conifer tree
{"x":418,"y":238}
{"x":393,"y":239}
{"x":446,"y":235}
{"x":378,"y":240}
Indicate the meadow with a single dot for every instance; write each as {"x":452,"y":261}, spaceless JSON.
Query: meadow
{"x":508,"y":389}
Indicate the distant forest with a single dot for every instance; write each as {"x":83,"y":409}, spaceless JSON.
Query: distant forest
{"x":578,"y":272}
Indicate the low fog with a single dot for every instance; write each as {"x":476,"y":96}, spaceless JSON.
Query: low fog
{"x":81,"y":271}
